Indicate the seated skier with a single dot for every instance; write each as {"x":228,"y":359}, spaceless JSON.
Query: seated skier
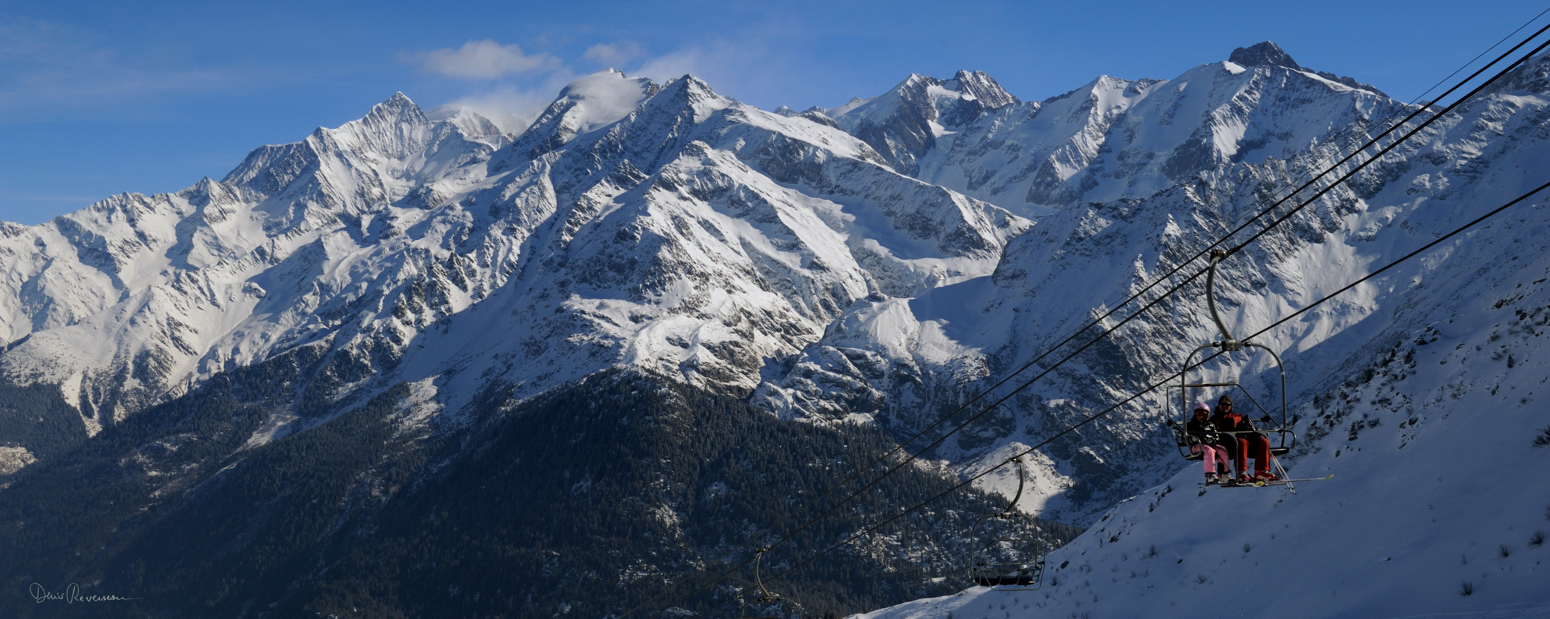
{"x":1204,"y":440}
{"x":1243,"y":440}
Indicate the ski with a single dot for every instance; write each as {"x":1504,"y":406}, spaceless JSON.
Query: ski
{"x":1262,"y":484}
{"x":1277,"y":482}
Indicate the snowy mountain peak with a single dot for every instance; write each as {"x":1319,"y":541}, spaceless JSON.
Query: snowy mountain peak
{"x":982,"y":87}
{"x":397,"y":110}
{"x":691,"y":86}
{"x":1114,"y":138}
{"x":1264,"y":54}
{"x":1268,"y":54}
{"x":583,"y":106}
{"x":476,"y":126}
{"x":905,"y":122}
{"x":608,"y":88}
{"x":398,"y":101}
{"x":204,"y":192}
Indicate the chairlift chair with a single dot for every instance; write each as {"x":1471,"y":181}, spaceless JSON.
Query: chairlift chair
{"x":1008,"y":554}
{"x":1276,"y":423}
{"x":764,"y":598}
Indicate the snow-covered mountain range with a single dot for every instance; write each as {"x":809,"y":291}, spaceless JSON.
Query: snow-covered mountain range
{"x":660,"y":226}
{"x":873,"y":263}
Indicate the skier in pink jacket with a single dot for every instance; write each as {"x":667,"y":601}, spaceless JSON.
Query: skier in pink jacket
{"x":1204,"y":440}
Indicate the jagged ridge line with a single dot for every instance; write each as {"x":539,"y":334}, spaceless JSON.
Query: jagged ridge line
{"x":1350,"y":136}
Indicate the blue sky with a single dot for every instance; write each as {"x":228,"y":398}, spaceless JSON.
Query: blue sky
{"x":98,"y":98}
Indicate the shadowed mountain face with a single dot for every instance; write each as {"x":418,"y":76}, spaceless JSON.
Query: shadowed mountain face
{"x":594,"y":498}
{"x":322,"y":361}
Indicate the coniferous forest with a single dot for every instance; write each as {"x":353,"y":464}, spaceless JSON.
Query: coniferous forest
{"x":624,"y":490}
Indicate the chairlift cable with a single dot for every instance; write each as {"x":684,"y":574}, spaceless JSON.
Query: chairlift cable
{"x":1398,"y":141}
{"x":1155,"y":385}
{"x":1417,"y":99}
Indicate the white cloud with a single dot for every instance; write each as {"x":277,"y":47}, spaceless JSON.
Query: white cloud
{"x":483,"y":60}
{"x":517,"y":86}
{"x":614,"y":54}
{"x":510,"y":107}
{"x":729,"y":68}
{"x":691,"y":60}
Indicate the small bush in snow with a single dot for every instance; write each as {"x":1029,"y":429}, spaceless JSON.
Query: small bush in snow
{"x":1467,"y":589}
{"x":1537,"y":539}
{"x":1543,"y":439}
{"x":1504,"y":551}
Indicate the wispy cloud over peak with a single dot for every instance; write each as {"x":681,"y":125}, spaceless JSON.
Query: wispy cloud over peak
{"x":615,"y":54}
{"x":482,"y":60}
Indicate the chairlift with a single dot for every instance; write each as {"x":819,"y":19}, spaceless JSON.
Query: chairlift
{"x":1008,"y":553}
{"x":765,"y":599}
{"x":1273,"y":422}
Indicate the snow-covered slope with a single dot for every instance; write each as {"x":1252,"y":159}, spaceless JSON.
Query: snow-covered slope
{"x":750,"y":235}
{"x":131,"y":300}
{"x":1437,"y":438}
{"x":906,"y":122}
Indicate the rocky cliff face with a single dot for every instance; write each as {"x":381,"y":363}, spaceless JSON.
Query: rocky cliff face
{"x":904,"y":124}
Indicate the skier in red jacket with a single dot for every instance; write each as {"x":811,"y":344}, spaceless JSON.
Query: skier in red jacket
{"x":1249,"y":442}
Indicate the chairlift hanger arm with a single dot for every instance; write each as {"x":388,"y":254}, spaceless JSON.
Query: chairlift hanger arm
{"x":1017,"y":462}
{"x":1227,"y":343}
{"x":764,"y":594}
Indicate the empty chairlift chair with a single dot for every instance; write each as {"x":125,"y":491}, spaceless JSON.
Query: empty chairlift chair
{"x":1008,"y":553}
{"x":762,"y":599}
